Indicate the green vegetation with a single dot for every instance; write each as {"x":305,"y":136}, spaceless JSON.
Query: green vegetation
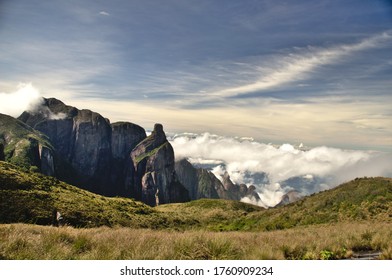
{"x":20,"y":143}
{"x":30,"y":197}
{"x":334,"y":224}
{"x":150,"y":153}
{"x":335,"y":241}
{"x":366,"y":199}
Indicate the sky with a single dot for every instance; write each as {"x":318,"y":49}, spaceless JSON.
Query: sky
{"x":301,"y":71}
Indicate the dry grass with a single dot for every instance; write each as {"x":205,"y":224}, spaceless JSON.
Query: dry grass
{"x":21,"y":241}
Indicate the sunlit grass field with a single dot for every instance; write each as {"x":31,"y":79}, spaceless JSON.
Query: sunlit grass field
{"x":335,"y":241}
{"x":334,"y":224}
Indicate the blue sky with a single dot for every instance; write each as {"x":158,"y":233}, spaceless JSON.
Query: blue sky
{"x":317,"y":72}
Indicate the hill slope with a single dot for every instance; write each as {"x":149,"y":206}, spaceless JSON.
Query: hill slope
{"x":24,"y":146}
{"x":364,"y":199}
{"x":31,"y":198}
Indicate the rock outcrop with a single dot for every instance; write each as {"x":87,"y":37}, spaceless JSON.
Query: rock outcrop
{"x":125,"y":137}
{"x":155,"y":177}
{"x":2,"y":156}
{"x":290,"y":197}
{"x":93,"y":154}
{"x":202,"y":183}
{"x":232,"y":190}
{"x":82,"y":138}
{"x":83,"y":148}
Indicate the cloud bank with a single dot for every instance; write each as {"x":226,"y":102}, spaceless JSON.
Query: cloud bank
{"x":25,"y":98}
{"x":275,"y":170}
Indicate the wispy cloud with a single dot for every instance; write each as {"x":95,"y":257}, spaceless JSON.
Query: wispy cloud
{"x":295,"y":67}
{"x":104,"y":13}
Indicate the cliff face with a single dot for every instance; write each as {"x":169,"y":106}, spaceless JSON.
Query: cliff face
{"x":202,"y":183}
{"x":82,"y":138}
{"x":111,"y":159}
{"x":125,"y":137}
{"x":94,"y":154}
{"x":2,"y":156}
{"x":155,"y":178}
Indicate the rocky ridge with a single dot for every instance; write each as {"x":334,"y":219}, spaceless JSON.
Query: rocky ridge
{"x":202,"y":183}
{"x":83,"y":148}
{"x":155,"y":177}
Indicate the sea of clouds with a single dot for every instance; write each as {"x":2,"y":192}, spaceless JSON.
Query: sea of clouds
{"x":277,"y":169}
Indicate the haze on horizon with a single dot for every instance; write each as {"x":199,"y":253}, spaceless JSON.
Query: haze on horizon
{"x":317,"y":72}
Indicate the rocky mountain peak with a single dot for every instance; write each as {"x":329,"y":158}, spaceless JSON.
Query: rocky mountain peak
{"x":155,"y":177}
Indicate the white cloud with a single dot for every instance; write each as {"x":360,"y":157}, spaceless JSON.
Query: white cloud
{"x":295,"y":67}
{"x":244,"y":160}
{"x":26,"y":97}
{"x":103,"y":13}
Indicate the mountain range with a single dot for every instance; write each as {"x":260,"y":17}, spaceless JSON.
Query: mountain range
{"x":84,"y":149}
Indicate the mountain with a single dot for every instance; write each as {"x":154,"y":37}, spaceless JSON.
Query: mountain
{"x":202,"y":183}
{"x":82,"y":138}
{"x":289,"y":197}
{"x":118,"y":159}
{"x":155,"y":178}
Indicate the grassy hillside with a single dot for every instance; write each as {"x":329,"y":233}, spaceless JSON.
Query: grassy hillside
{"x":365,"y":199}
{"x":19,"y":142}
{"x":334,"y":224}
{"x":29,"y":197}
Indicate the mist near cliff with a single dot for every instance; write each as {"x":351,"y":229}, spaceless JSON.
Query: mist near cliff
{"x":24,"y":98}
{"x":277,"y":169}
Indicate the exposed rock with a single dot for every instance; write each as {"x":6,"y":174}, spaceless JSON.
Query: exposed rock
{"x":125,"y":137}
{"x":243,"y":190}
{"x":188,"y":176}
{"x":209,"y":186}
{"x":2,"y":156}
{"x":153,"y":160}
{"x":47,"y":160}
{"x":233,"y":190}
{"x":252,"y":193}
{"x":199,"y":182}
{"x":290,"y":197}
{"x":94,"y":153}
{"x":202,"y":183}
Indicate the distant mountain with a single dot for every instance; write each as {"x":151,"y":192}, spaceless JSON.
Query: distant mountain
{"x":202,"y":183}
{"x":290,"y":197}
